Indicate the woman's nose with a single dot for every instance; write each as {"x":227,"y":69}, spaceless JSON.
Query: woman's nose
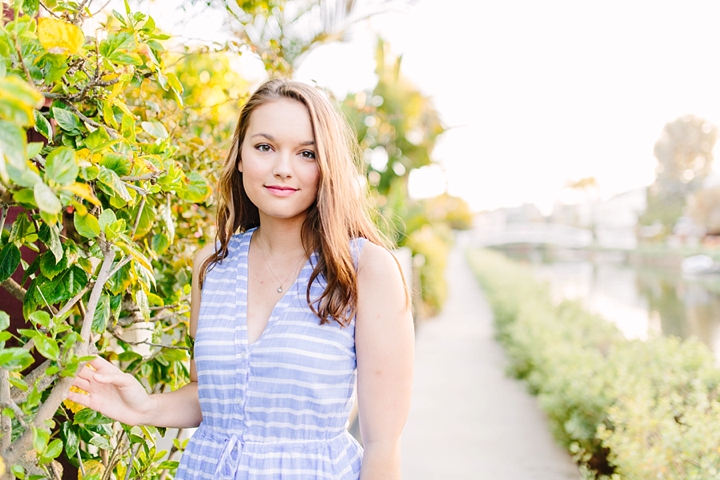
{"x":283,"y":164}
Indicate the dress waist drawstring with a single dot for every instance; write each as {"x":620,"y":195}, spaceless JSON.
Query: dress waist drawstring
{"x":230,"y":444}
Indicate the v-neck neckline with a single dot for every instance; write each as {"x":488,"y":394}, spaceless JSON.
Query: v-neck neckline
{"x":274,"y":314}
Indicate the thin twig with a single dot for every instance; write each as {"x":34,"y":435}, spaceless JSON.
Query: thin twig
{"x":78,"y":18}
{"x":150,"y":344}
{"x":22,"y":62}
{"x":79,"y":96}
{"x":16,"y":410}
{"x":14,"y":289}
{"x":47,"y":304}
{"x":101,"y":8}
{"x":120,"y":264}
{"x":5,"y":196}
{"x":82,"y":467}
{"x":3,"y":215}
{"x":113,"y":133}
{"x":29,"y":345}
{"x":147,"y":176}
{"x":130,"y":462}
{"x":140,"y":190}
{"x":37,"y":378}
{"x":139,"y":216}
{"x":73,"y":301}
{"x":49,"y":11}
{"x":114,"y":460}
{"x":5,"y":421}
{"x":173,"y":451}
{"x":172,"y":306}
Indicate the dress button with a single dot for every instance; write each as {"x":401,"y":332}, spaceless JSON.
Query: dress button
{"x":243,"y":355}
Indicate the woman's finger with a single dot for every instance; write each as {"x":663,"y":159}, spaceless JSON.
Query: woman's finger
{"x":114,"y":378}
{"x":82,"y":384}
{"x":80,"y":398}
{"x":100,"y":364}
{"x":86,"y":373}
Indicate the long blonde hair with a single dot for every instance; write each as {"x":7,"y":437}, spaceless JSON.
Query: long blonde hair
{"x":340,"y":213}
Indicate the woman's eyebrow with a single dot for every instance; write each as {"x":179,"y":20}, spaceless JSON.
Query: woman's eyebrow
{"x":271,"y":138}
{"x":266,"y":135}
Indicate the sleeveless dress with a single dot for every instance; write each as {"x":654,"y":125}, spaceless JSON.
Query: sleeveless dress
{"x":277,"y":408}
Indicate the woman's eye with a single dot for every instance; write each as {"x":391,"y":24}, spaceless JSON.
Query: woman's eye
{"x":309,"y":154}
{"x":263,"y":147}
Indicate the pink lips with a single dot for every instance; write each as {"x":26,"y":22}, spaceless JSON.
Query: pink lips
{"x":281,"y":191}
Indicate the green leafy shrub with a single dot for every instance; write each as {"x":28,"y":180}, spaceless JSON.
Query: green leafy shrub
{"x":626,"y":409}
{"x":433,"y":243}
{"x":105,"y":201}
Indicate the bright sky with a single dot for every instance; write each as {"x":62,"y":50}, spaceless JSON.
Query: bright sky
{"x":541,"y":93}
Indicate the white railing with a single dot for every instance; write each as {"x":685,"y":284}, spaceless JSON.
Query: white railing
{"x":532,"y":233}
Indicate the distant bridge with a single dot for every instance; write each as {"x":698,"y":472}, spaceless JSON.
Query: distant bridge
{"x":532,"y":233}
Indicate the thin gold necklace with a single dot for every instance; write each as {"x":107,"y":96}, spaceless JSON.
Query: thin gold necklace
{"x":294,"y":269}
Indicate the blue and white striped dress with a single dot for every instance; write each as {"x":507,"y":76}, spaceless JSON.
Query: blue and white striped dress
{"x":277,"y":408}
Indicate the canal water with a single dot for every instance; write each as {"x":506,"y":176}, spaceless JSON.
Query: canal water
{"x":640,"y":300}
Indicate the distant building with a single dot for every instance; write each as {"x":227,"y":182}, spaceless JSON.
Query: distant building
{"x":613,"y":222}
{"x":617,"y":217}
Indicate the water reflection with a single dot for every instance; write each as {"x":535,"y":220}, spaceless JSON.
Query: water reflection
{"x":640,"y":300}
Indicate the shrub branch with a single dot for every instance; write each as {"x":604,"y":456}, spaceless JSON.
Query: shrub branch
{"x":14,"y":289}
{"x":59,"y":392}
{"x":38,"y":378}
{"x":6,"y":422}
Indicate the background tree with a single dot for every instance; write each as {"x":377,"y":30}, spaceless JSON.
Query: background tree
{"x":397,"y":128}
{"x":283,"y":32}
{"x":705,"y":209}
{"x":684,"y":154}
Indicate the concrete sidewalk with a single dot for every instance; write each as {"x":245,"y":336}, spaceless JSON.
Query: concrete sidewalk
{"x":468,"y":420}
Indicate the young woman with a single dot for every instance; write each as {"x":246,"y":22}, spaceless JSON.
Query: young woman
{"x":297,"y":300}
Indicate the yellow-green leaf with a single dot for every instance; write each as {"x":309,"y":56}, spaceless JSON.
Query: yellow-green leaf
{"x":196,"y":188}
{"x":86,"y":225}
{"x":58,"y":36}
{"x":141,"y":300}
{"x":112,"y":180}
{"x":135,"y":253}
{"x":121,"y":105}
{"x":155,"y":129}
{"x":12,"y":147}
{"x":42,"y":125}
{"x":46,"y":199}
{"x":18,"y":101}
{"x":47,"y":347}
{"x":83,"y":191}
{"x":61,"y":166}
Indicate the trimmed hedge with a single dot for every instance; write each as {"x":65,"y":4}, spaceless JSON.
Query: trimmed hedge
{"x":626,"y":409}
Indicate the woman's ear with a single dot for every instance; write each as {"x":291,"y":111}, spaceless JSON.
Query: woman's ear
{"x":239,"y":163}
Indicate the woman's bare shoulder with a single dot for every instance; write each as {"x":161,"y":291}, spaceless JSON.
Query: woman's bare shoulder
{"x":375,"y":259}
{"x":378,"y":268}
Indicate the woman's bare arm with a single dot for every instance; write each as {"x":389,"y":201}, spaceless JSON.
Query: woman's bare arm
{"x":384,"y":338}
{"x":120,"y":396}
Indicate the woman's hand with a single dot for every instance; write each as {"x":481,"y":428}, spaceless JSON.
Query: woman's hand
{"x":112,"y":392}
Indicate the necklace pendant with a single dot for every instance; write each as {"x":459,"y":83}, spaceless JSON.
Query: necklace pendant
{"x":279,"y":289}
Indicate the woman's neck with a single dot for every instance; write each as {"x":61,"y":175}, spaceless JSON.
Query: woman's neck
{"x":279,"y":237}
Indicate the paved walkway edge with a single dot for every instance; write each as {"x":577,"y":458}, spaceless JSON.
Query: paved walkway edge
{"x":468,"y":420}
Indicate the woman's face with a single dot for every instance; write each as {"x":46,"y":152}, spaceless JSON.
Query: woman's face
{"x":277,"y":159}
